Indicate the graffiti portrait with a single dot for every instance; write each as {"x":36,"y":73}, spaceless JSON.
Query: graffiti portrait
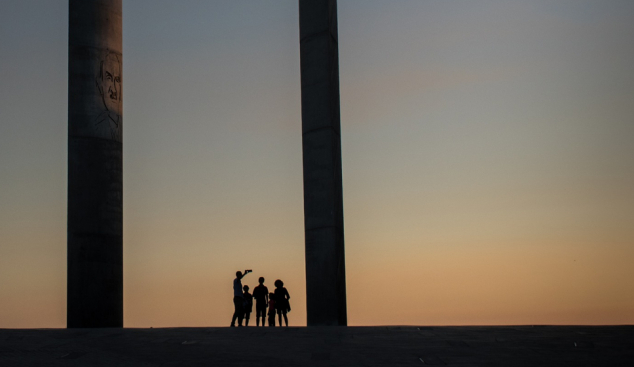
{"x":108,"y":83}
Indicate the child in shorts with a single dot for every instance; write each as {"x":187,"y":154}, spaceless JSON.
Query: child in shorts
{"x":248,"y":304}
{"x":271,"y":309}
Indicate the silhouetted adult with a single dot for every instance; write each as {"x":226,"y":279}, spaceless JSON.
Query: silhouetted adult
{"x":238,"y":299}
{"x":261,"y":295}
{"x":281,"y":301}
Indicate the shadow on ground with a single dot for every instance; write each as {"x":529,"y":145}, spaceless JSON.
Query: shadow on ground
{"x":322,"y":346}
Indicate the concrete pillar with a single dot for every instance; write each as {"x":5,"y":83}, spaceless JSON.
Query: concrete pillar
{"x":323,"y":198}
{"x":95,"y":221}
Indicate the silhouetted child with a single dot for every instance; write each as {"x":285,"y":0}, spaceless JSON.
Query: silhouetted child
{"x":248,"y":305}
{"x":261,"y":295}
{"x":282,"y":304}
{"x":271,"y":309}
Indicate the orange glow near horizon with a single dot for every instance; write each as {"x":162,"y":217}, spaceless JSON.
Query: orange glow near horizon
{"x":483,"y":285}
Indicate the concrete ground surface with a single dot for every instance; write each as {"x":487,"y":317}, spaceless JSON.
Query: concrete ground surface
{"x":322,"y":346}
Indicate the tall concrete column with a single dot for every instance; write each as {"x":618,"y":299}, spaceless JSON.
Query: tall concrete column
{"x":95,"y":221}
{"x":323,"y":198}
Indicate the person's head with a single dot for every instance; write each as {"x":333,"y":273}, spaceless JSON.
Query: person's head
{"x":239,"y":274}
{"x":261,"y":280}
{"x":109,"y":82}
{"x":271,"y":295}
{"x":246,"y":288}
{"x":279,"y":283}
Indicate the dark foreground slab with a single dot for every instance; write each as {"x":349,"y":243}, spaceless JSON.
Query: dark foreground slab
{"x":322,"y":346}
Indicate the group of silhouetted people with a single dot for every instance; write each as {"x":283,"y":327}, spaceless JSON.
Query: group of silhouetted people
{"x":275,"y":302}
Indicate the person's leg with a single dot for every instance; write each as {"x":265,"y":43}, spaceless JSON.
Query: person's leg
{"x":285,"y":318}
{"x":238,"y":311}
{"x":279,"y":317}
{"x":247,"y":316}
{"x":259,"y":312}
{"x":235,"y":310}
{"x":263,"y":316}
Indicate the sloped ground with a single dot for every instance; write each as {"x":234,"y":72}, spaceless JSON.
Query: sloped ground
{"x":322,"y":346}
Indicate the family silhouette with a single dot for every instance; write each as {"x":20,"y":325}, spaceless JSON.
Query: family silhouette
{"x":276,"y":302}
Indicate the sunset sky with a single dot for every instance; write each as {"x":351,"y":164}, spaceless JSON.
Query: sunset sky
{"x":488,"y":160}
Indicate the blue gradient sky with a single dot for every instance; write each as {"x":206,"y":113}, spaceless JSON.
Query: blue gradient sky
{"x":488,"y":160}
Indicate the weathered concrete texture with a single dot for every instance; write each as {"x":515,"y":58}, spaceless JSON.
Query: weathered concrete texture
{"x":95,"y":221}
{"x":322,"y":346}
{"x":323,"y":198}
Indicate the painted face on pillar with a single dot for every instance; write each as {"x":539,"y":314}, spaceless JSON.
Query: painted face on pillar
{"x":109,"y":86}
